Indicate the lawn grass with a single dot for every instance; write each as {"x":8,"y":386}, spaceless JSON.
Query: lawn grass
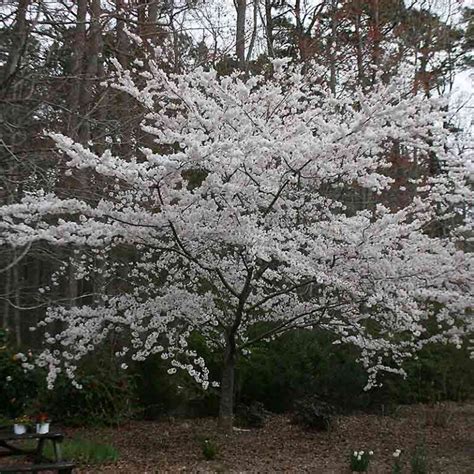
{"x":84,"y":451}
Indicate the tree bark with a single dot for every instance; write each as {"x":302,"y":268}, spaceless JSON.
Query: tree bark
{"x":19,"y":39}
{"x":376,"y":52}
{"x":332,"y":48}
{"x":359,"y":46}
{"x":226,"y":406}
{"x":78,"y":69}
{"x":17,"y":301}
{"x":241,"y":6}
{"x":6,"y":304}
{"x":269,"y":28}
{"x":254,"y":31}
{"x":122,"y":40}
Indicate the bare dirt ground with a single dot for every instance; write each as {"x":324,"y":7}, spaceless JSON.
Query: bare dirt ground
{"x":446,"y":432}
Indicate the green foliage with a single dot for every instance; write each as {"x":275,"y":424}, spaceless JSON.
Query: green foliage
{"x":298,"y":364}
{"x":441,"y":372}
{"x":273,"y":376}
{"x":419,"y":461}
{"x":209,"y":449}
{"x":106,"y":398}
{"x":439,"y":416}
{"x":251,"y":416}
{"x":313,"y":413}
{"x":359,"y":461}
{"x":397,"y":468}
{"x":305,"y":362}
{"x":19,"y":387}
{"x":179,"y":395}
{"x":85,"y":451}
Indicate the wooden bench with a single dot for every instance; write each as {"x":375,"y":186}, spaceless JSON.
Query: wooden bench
{"x":61,"y":466}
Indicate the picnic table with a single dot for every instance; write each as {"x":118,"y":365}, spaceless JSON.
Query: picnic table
{"x":36,"y":454}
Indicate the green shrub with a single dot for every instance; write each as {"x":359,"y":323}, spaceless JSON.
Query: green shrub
{"x":251,"y":416}
{"x":440,"y":372}
{"x":359,"y":461}
{"x":300,"y":363}
{"x":179,"y":395}
{"x":106,"y":398}
{"x":313,"y":413}
{"x":209,"y":449}
{"x":107,"y":395}
{"x":19,"y":387}
{"x":397,"y":463}
{"x":305,"y":362}
{"x":419,"y":461}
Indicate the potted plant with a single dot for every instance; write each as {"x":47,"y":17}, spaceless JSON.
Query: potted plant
{"x":42,"y":423}
{"x":20,"y":425}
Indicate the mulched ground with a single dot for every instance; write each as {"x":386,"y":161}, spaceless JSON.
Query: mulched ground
{"x":446,"y":432}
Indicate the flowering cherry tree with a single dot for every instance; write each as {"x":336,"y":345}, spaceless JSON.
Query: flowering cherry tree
{"x":237,"y":217}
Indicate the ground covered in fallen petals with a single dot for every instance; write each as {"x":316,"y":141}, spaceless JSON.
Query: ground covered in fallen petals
{"x":446,"y":433}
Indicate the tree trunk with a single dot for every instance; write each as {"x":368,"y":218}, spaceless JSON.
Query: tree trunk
{"x":226,"y":406}
{"x":19,"y":39}
{"x":78,"y":48}
{"x":6,"y":304}
{"x":376,"y":40}
{"x":254,"y":31}
{"x":17,"y":301}
{"x":359,"y":46}
{"x":241,"y":6}
{"x":332,"y":48}
{"x":269,"y":27}
{"x":122,"y":39}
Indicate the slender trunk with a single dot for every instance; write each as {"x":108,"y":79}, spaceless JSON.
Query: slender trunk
{"x":254,"y":31}
{"x":78,"y":69}
{"x":299,"y":31}
{"x":269,"y":27}
{"x":241,"y":6}
{"x":153,"y":19}
{"x":19,"y":39}
{"x":142,"y":18}
{"x":6,"y":304}
{"x":332,"y":48}
{"x":376,"y":40}
{"x":122,"y":40}
{"x":226,"y":407}
{"x":16,"y":301}
{"x":93,"y":66}
{"x":359,"y":48}
{"x":73,"y":286}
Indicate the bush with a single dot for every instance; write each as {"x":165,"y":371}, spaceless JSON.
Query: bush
{"x":209,"y":449}
{"x":179,"y":395}
{"x":19,"y":387}
{"x":360,"y":460}
{"x":313,"y":413}
{"x":419,"y":461}
{"x":298,"y":364}
{"x":440,"y":372}
{"x":251,"y":416}
{"x":106,"y":398}
{"x":306,"y":362}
